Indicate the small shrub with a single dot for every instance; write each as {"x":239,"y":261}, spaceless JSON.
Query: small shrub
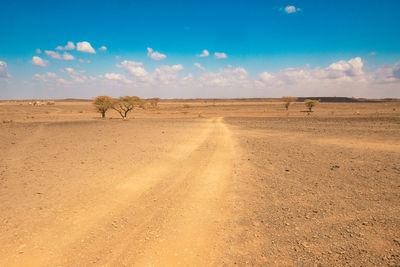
{"x":153,"y":102}
{"x":288,"y":100}
{"x":310,"y":104}
{"x":186,"y":106}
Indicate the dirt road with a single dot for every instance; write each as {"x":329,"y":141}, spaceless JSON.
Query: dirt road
{"x":182,"y":186}
{"x":165,"y":212}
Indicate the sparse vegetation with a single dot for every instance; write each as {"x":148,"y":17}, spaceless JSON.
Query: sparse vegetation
{"x":153,"y":102}
{"x":125,"y":104}
{"x":288,"y":100}
{"x":186,"y":106}
{"x":102,"y":104}
{"x":310,"y":103}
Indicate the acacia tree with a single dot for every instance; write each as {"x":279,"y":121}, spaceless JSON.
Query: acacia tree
{"x":288,"y":100}
{"x":125,"y":104}
{"x":310,"y":104}
{"x":102,"y":104}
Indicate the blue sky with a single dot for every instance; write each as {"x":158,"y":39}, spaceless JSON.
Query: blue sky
{"x":271,"y":48}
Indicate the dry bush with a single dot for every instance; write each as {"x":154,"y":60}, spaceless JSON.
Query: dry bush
{"x":310,"y":103}
{"x":288,"y":100}
{"x":153,"y":102}
{"x":102,"y":104}
{"x":186,"y":106}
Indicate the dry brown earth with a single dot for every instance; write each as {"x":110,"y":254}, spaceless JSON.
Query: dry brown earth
{"x":215,"y":183}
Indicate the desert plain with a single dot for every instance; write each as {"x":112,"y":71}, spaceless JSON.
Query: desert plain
{"x":200,"y":183}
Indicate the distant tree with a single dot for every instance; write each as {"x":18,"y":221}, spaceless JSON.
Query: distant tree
{"x":310,"y":104}
{"x":288,"y":100}
{"x":102,"y":104}
{"x":154,"y":102}
{"x":125,"y":104}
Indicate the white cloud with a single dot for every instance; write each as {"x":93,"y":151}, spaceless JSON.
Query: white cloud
{"x":205,"y":53}
{"x":199,"y":66}
{"x":155,"y":55}
{"x":220,"y":55}
{"x":53,"y":54}
{"x":116,"y":77}
{"x":162,"y":75}
{"x":56,"y":55}
{"x":343,"y":68}
{"x":38,"y":51}
{"x":84,"y":61}
{"x":396,"y":71}
{"x":3,"y":70}
{"x":73,"y":73}
{"x":69,"y":46}
{"x":45,"y":77}
{"x":63,"y":81}
{"x":167,"y":74}
{"x":341,"y":71}
{"x":291,"y":9}
{"x":39,"y":61}
{"x":135,"y":69}
{"x":52,"y":74}
{"x":187,"y":78}
{"x":373,"y":53}
{"x":103,"y":48}
{"x":68,"y":56}
{"x":237,"y":77}
{"x":265,"y":76}
{"x":85,"y":47}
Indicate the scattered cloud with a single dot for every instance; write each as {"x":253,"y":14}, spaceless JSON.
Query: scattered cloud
{"x":52,"y":54}
{"x":85,"y":47}
{"x":225,"y":78}
{"x":396,"y":71}
{"x":167,"y":74}
{"x":69,"y":46}
{"x":205,"y":53}
{"x":265,"y":77}
{"x":72,"y":72}
{"x":220,"y":55}
{"x":84,"y":61}
{"x":3,"y":70}
{"x":67,"y":56}
{"x":116,"y":77}
{"x":155,"y":55}
{"x":291,"y":9}
{"x":39,"y":61}
{"x":45,"y":77}
{"x":56,"y":55}
{"x":199,"y":66}
{"x":373,"y":53}
{"x":38,"y":51}
{"x":135,"y":69}
{"x":164,"y":74}
{"x":343,"y":68}
{"x":103,"y":48}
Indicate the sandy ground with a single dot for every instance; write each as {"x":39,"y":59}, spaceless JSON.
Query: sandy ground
{"x":211,"y":184}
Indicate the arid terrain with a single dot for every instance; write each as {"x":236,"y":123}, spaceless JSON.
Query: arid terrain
{"x":200,"y":183}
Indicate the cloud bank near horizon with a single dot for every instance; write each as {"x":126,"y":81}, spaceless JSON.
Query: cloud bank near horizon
{"x":340,"y":78}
